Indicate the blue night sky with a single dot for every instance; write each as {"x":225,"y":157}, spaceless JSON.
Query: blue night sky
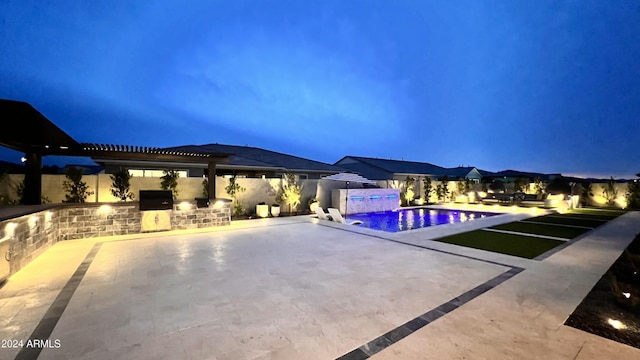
{"x":548,"y":86}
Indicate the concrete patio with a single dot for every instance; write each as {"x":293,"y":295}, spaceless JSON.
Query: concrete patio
{"x":296,"y":287}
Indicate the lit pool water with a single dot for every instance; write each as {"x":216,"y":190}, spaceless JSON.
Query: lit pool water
{"x":415,"y":218}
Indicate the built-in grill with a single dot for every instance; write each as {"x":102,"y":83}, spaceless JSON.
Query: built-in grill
{"x":156,"y":200}
{"x":155,"y":208}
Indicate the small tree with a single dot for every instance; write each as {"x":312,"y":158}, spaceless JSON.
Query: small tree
{"x":461,"y":186}
{"x":290,"y":192}
{"x":587,"y":193}
{"x":440,"y":193}
{"x":445,"y":187}
{"x":428,"y":188}
{"x":169,"y":181}
{"x":407,"y":193}
{"x":74,"y":186}
{"x":538,"y":187}
{"x":633,"y":193}
{"x":120,"y":185}
{"x":233,"y":189}
{"x":205,"y":188}
{"x":520,"y":184}
{"x":610,"y":193}
{"x":467,"y":185}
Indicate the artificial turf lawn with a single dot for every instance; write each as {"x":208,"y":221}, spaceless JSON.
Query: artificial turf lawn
{"x":517,"y":245}
{"x":567,"y":220}
{"x":584,"y":215}
{"x":542,"y":229}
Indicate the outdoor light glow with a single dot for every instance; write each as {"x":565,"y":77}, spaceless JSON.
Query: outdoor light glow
{"x":33,"y":220}
{"x":218,"y":204}
{"x":616,"y":324}
{"x":534,"y":210}
{"x":9,"y":230}
{"x":47,"y":216}
{"x":23,"y":159}
{"x":626,"y":294}
{"x":514,"y":208}
{"x":184,"y":205}
{"x":104,"y":209}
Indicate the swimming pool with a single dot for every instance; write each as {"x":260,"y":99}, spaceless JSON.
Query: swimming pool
{"x":416,"y":218}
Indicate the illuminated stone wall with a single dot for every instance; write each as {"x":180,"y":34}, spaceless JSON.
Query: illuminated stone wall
{"x":30,"y":235}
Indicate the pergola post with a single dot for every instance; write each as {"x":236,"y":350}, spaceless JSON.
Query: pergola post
{"x":211,"y":174}
{"x":32,"y":179}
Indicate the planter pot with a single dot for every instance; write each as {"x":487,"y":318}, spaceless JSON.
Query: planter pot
{"x":262,"y":211}
{"x":275,"y":211}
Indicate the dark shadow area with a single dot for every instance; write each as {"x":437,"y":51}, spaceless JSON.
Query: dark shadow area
{"x":612,"y":307}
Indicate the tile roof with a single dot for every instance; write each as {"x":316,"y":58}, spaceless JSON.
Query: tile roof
{"x":399,"y":166}
{"x":257,"y":157}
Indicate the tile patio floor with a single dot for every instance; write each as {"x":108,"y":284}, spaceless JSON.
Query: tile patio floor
{"x":297,"y":288}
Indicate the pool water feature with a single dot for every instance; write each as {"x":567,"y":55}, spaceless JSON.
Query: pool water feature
{"x":415,"y":218}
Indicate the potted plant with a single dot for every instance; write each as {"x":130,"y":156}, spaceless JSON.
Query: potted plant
{"x":262,"y":210}
{"x":275,"y":210}
{"x":313,"y":204}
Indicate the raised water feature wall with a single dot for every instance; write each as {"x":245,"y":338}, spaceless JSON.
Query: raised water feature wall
{"x":356,"y":201}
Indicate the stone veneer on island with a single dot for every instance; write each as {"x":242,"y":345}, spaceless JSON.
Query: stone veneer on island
{"x":31,"y":234}
{"x":363,"y":200}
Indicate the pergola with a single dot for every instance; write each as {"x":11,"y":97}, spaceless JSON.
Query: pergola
{"x":30,"y":132}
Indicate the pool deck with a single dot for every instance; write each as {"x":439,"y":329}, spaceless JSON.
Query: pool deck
{"x":298,"y":287}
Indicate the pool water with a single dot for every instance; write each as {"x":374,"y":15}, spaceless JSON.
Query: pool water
{"x":416,"y":218}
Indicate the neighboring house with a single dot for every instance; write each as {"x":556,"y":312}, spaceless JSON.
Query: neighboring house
{"x":509,"y":176}
{"x":244,"y":161}
{"x":383,"y":169}
{"x":86,"y":169}
{"x":467,"y":172}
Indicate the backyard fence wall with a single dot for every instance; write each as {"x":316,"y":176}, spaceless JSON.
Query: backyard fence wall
{"x":257,"y":190}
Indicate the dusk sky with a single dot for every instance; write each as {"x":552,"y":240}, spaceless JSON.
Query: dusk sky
{"x":545,"y":86}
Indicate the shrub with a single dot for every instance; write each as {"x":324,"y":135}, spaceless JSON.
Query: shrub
{"x":538,"y":187}
{"x":445,"y":186}
{"x":290,"y":192}
{"x":74,"y":186}
{"x":587,"y":193}
{"x":169,"y":181}
{"x":428,"y":188}
{"x":205,"y":188}
{"x":407,"y":192}
{"x":633,"y":193}
{"x":461,"y":186}
{"x":440,"y":193}
{"x":520,"y":184}
{"x":233,"y":189}
{"x":610,"y":193}
{"x":120,"y":185}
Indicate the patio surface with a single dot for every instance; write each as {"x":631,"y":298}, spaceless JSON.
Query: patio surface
{"x":292,"y":288}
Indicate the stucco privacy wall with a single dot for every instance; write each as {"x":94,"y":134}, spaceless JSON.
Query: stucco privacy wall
{"x":257,"y":190}
{"x":30,"y":235}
